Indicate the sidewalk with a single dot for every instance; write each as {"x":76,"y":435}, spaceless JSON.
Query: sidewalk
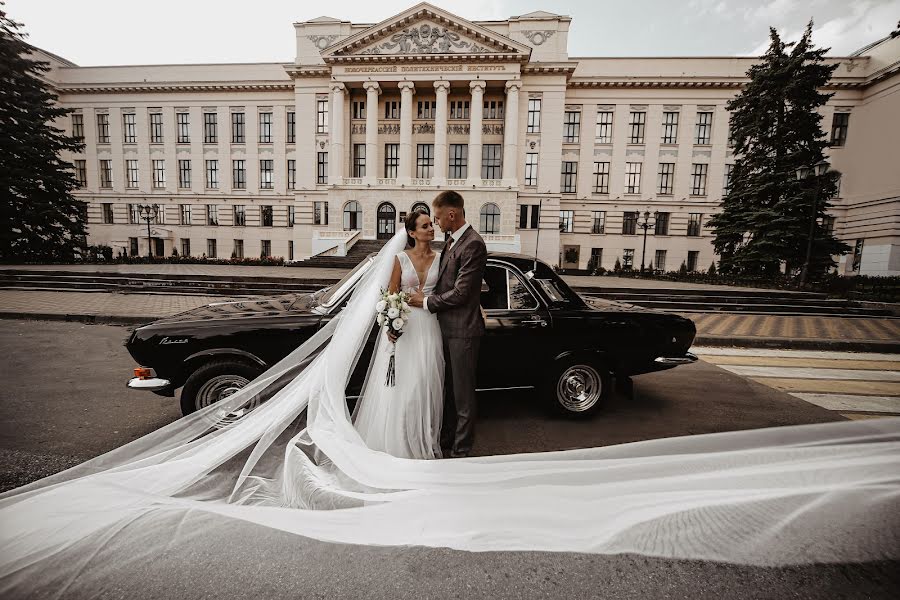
{"x":851,"y":334}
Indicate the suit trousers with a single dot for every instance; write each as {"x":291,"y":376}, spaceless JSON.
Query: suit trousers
{"x":460,"y":404}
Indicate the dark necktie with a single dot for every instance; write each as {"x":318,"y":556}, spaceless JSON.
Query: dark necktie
{"x":447,"y":248}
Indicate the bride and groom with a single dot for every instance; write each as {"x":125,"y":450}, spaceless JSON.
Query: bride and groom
{"x":430,"y":410}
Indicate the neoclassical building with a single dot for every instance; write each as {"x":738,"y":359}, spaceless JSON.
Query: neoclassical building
{"x":558,"y":155}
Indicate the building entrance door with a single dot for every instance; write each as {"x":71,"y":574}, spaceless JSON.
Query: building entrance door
{"x":387,"y":221}
{"x":158,"y":247}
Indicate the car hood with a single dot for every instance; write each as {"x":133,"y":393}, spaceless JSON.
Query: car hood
{"x":257,"y":307}
{"x":614,"y":305}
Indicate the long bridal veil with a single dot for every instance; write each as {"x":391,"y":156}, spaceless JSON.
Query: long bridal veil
{"x":795,"y":495}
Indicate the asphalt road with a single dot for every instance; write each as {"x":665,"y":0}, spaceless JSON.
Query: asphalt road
{"x":65,"y":401}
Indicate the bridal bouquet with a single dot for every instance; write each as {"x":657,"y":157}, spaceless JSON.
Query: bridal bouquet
{"x":392,"y":312}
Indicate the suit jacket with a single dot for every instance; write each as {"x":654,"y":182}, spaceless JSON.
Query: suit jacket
{"x":457,"y":294}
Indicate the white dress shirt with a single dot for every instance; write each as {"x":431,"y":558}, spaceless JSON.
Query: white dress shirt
{"x":455,"y":235}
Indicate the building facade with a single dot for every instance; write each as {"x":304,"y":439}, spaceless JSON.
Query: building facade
{"x":555,"y":155}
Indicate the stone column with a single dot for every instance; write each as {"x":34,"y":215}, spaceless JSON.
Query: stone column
{"x":442,"y":89}
{"x":511,"y":134}
{"x":336,"y":151}
{"x":404,"y":173}
{"x":476,"y":108}
{"x":372,"y":91}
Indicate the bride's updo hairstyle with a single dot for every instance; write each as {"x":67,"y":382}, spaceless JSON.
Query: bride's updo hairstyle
{"x":411,"y":226}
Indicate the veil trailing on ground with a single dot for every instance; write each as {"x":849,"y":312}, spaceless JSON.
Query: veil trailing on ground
{"x":817,"y":493}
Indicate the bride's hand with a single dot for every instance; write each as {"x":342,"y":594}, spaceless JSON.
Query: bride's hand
{"x":417,"y":298}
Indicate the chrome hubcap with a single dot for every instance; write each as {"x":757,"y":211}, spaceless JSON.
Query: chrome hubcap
{"x":579,"y":388}
{"x":218,"y":388}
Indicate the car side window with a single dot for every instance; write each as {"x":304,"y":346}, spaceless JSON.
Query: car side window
{"x":494,"y":289}
{"x":519,"y":296}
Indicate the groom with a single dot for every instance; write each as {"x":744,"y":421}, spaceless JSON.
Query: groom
{"x":456,"y":301}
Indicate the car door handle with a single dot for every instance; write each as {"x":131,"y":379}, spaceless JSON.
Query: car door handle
{"x":535,"y":321}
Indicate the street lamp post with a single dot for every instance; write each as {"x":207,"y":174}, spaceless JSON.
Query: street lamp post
{"x":818,"y":171}
{"x":645,"y":225}
{"x":149,"y":213}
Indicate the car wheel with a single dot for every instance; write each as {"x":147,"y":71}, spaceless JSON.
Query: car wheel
{"x":214,"y":381}
{"x":578,"y":387}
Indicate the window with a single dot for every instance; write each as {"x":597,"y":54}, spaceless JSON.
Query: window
{"x":629,"y":223}
{"x":837,"y":186}
{"x":839,"y":124}
{"x":156,"y":128}
{"x":266,"y":173}
{"x":292,"y":215}
{"x":134,"y":214}
{"x":636,"y":124}
{"x":102,"y":128}
{"x":596,"y":260}
{"x":503,"y":290}
{"x":601,"y":177}
{"x":424,"y":161}
{"x":391,"y":109}
{"x":265,"y":215}
{"x":666,"y":178}
{"x":628,"y":258}
{"x":320,"y":213}
{"x":828,"y":225}
{"x":571,"y":126}
{"x":240,"y":215}
{"x":211,"y":248}
{"x":598,"y":221}
{"x":185,"y":247}
{"x":321,"y":167}
{"x":108,"y":213}
{"x":185,"y":214}
{"x":184,"y":173}
{"x":291,"y":127}
{"x":358,"y":109}
{"x":459,"y":161}
{"x":693,"y":228}
{"x":265,"y":128}
{"x":321,"y":115}
{"x":212,"y":214}
{"x":531,"y":168}
{"x":212,"y":174}
{"x":184,"y":128}
{"x":78,"y":127}
{"x":290,"y":249}
{"x":352,"y":216}
{"x":426,"y":109}
{"x":670,"y":128}
{"x":662,"y":224}
{"x":603,"y":134}
{"x":129,"y":131}
{"x":81,"y":173}
{"x":391,"y":160}
{"x":459,"y":109}
{"x":704,"y":128}
{"x":490,"y":218}
{"x":659,"y":260}
{"x":359,"y":160}
{"x":133,"y":246}
{"x":491,"y":157}
{"x":566,"y":221}
{"x":237,"y":128}
{"x":693,"y":255}
{"x":519,"y":296}
{"x":698,"y":179}
{"x":291,"y":174}
{"x":238,"y":248}
{"x":238,"y":175}
{"x":633,"y":178}
{"x":210,"y":128}
{"x":493,"y":109}
{"x":534,"y":116}
{"x":857,"y":254}
{"x":106,"y":180}
{"x":569,"y":178}
{"x":524,"y":222}
{"x":726,"y":181}
{"x":131,"y":173}
{"x":159,"y":174}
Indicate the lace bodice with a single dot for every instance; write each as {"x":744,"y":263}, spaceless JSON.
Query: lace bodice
{"x":409,"y":278}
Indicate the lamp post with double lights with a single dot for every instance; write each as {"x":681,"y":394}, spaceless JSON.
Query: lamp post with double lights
{"x":149,"y":212}
{"x":645,"y":225}
{"x":817,"y":171}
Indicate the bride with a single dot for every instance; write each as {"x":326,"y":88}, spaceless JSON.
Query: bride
{"x":404,"y":420}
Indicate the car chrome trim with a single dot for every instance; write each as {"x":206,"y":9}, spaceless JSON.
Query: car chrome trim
{"x":227,"y":352}
{"x":687,"y":359}
{"x":148,"y":385}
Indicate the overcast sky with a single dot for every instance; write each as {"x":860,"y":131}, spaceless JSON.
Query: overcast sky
{"x":121,"y":32}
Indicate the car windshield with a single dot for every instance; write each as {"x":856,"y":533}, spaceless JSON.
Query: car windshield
{"x":328,"y":296}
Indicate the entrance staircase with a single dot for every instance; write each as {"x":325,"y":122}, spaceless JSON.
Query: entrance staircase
{"x":355,"y":255}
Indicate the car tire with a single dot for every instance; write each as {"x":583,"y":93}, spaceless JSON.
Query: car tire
{"x":213,"y":381}
{"x":577,"y":386}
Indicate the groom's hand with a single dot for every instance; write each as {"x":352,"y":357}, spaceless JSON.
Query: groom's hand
{"x":417,"y":298}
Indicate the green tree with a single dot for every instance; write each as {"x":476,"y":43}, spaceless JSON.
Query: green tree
{"x":776,"y":129}
{"x":41,"y":218}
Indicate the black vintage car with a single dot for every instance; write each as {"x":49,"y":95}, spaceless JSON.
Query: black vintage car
{"x":540,"y":334}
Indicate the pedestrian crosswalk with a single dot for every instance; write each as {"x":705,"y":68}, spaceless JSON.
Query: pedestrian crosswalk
{"x":855,"y":385}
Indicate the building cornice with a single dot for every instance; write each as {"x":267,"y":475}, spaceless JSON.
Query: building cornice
{"x":175,"y":88}
{"x":566,"y":68}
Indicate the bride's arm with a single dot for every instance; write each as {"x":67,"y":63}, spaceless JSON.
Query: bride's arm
{"x":394,"y":284}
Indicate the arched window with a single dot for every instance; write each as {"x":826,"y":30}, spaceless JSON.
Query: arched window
{"x":490,"y":218}
{"x":387,"y":221}
{"x":421,"y":206}
{"x":352,"y":216}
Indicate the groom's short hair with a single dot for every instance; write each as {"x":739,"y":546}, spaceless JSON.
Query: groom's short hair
{"x":450,"y":199}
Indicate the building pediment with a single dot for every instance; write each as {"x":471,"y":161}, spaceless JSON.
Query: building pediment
{"x":425,"y":31}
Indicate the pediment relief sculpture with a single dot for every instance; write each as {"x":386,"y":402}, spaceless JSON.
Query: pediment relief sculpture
{"x":427,"y":38}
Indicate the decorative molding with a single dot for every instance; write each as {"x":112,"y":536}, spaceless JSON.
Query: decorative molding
{"x":538,"y":37}
{"x":630,"y":153}
{"x":671,"y":108}
{"x":707,"y":108}
{"x":852,"y":64}
{"x":604,"y":152}
{"x":166,"y":89}
{"x":701,"y":154}
{"x":668,"y":152}
{"x":548,"y":69}
{"x":427,"y":38}
{"x":322,"y":41}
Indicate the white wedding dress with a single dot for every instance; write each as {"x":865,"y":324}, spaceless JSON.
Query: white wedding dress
{"x":404,"y":420}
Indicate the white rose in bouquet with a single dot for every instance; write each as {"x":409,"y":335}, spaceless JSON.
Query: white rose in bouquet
{"x":405,"y":307}
{"x":380,"y":318}
{"x":398,"y":324}
{"x":380,"y":306}
{"x":393,"y":313}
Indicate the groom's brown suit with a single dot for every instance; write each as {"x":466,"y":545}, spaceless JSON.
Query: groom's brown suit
{"x":456,"y":301}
